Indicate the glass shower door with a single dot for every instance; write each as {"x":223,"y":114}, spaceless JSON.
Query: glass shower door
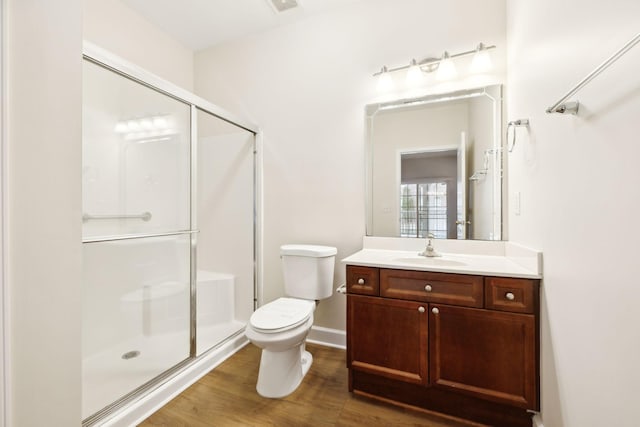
{"x":136,"y":235}
{"x":225,"y":217}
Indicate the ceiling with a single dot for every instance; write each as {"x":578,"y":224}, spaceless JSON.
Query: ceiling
{"x":199,"y":24}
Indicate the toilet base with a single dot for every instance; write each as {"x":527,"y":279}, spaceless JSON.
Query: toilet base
{"x":282,"y":372}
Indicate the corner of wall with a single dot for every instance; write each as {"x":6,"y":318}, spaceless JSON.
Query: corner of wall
{"x":4,"y":353}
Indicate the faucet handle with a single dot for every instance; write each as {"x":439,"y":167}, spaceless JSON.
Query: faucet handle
{"x":429,"y":251}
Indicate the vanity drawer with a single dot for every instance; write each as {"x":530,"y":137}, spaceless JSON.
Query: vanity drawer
{"x":508,"y":294}
{"x":362,"y":280}
{"x":444,"y":288}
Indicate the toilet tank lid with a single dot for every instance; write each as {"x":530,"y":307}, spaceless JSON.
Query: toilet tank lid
{"x":308,"y":250}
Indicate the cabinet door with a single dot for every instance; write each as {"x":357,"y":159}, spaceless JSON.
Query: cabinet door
{"x":387,"y":337}
{"x":487,"y":354}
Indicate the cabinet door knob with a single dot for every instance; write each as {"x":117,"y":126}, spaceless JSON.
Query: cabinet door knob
{"x":421,"y":309}
{"x":435,"y":310}
{"x":360,"y":281}
{"x":510,"y":296}
{"x":428,"y":288}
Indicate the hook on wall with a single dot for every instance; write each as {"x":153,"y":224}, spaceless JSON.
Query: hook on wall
{"x":515,"y":124}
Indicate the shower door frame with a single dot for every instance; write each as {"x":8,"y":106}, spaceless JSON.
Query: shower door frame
{"x":125,"y":69}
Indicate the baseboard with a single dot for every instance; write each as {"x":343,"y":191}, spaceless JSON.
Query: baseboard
{"x":327,"y":337}
{"x":141,"y":409}
{"x":537,"y":420}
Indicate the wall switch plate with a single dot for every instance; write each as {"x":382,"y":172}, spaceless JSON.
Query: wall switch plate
{"x":516,"y":203}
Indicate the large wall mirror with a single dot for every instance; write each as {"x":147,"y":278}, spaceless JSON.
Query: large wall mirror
{"x":435,"y":166}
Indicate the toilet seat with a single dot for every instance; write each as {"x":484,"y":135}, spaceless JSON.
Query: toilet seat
{"x":281,"y":315}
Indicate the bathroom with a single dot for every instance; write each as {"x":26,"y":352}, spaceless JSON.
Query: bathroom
{"x":306,"y":84}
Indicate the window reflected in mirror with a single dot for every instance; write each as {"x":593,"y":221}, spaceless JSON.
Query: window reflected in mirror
{"x":423,"y":209}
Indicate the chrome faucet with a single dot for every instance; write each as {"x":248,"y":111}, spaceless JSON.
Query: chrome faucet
{"x":429,"y":251}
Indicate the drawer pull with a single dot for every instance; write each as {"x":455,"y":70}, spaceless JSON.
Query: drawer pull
{"x":435,"y":310}
{"x":361,"y":281}
{"x":421,"y":309}
{"x":428,"y":288}
{"x":510,"y":296}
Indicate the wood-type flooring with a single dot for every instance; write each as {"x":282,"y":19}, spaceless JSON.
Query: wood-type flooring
{"x":226,"y":396}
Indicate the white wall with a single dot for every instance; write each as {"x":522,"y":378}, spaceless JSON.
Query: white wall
{"x":4,"y":363}
{"x":43,"y":208}
{"x":578,"y":178}
{"x":306,"y":85}
{"x":119,"y":29}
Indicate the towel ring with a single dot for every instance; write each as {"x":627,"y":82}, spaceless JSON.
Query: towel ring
{"x":514,"y":124}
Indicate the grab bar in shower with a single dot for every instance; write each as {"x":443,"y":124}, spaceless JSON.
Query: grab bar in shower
{"x":563,"y":107}
{"x":145,"y":216}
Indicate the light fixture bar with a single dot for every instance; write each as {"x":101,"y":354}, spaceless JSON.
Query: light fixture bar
{"x":430,"y":62}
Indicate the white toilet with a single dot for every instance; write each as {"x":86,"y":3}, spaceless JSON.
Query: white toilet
{"x":280,"y":327}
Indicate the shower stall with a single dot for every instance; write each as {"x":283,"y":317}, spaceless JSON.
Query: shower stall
{"x":169,"y":231}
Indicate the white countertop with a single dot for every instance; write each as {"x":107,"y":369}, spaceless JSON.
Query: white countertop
{"x":494,"y":259}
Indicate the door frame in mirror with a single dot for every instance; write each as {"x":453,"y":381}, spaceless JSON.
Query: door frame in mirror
{"x":403,"y":152}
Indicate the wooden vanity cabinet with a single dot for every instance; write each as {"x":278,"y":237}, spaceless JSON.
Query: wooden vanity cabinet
{"x":388,"y":338}
{"x":462,"y":345}
{"x":483,"y":353}
{"x":362,"y":280}
{"x":457,"y":289}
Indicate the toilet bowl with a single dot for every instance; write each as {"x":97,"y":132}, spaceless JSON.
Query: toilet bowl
{"x":280,"y":327}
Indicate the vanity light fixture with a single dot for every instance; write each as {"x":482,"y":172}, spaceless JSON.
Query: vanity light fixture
{"x":385,"y":82}
{"x":444,"y":66}
{"x":447,"y":69}
{"x":481,"y":62}
{"x":414,"y":74}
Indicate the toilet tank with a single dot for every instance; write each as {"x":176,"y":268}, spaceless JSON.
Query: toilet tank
{"x":308,"y":270}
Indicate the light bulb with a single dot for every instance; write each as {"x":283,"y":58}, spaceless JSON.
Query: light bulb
{"x":385,"y":82}
{"x":414,"y":74}
{"x":447,"y":69}
{"x":481,"y":62}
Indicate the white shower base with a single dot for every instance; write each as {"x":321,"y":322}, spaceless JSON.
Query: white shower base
{"x":107,"y":376}
{"x":160,"y":315}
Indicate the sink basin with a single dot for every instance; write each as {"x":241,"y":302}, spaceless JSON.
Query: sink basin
{"x":436,"y":261}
